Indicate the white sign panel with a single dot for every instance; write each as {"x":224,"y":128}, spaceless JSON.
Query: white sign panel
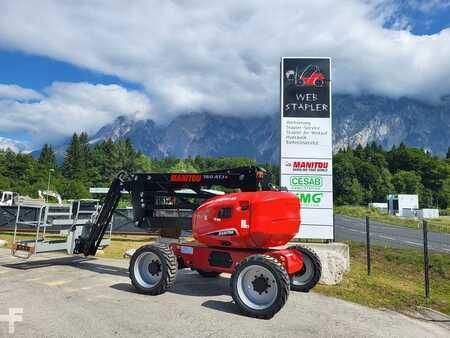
{"x":306,"y":141}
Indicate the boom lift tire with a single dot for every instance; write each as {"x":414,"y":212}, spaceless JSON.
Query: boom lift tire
{"x":208,"y":274}
{"x":260,"y":286}
{"x":153,"y":269}
{"x":309,"y":275}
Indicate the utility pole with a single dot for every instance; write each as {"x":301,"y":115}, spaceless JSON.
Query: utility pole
{"x":426,"y":261}
{"x":48,"y":184}
{"x":369,"y":263}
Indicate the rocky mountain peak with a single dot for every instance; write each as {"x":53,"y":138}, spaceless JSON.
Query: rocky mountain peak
{"x":356,"y":120}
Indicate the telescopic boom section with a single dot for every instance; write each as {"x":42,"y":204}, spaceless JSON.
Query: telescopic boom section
{"x":89,"y":245}
{"x":167,"y":200}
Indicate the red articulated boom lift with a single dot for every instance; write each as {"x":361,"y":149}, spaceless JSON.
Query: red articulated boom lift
{"x":241,"y":233}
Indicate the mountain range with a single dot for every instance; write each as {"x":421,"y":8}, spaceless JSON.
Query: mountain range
{"x":356,"y":120}
{"x":201,"y":134}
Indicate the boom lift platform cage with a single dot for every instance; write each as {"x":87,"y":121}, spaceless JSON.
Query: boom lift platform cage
{"x":72,"y":220}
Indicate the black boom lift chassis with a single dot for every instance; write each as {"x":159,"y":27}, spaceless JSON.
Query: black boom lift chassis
{"x":167,"y":200}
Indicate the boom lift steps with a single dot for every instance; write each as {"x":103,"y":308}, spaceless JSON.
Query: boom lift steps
{"x":73,"y":220}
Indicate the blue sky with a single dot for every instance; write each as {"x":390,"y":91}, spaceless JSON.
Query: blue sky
{"x":67,"y":67}
{"x":423,"y":17}
{"x":39,"y":72}
{"x":429,"y":23}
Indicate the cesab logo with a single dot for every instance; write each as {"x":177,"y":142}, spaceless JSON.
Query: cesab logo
{"x":306,"y":182}
{"x":302,"y":166}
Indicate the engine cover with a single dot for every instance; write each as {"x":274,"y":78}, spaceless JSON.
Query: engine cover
{"x":260,"y":219}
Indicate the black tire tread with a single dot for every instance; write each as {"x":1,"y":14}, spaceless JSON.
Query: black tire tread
{"x":281,"y":275}
{"x":316,"y":261}
{"x":168,"y":259}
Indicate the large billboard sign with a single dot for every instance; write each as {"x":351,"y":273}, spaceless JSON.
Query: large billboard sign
{"x":306,"y":141}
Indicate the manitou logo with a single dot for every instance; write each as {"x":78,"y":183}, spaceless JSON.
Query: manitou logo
{"x":185,"y":178}
{"x":310,"y":165}
{"x":304,"y":166}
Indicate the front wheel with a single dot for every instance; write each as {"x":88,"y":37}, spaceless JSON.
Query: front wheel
{"x":153,"y":269}
{"x":260,"y":286}
{"x":310,"y":273}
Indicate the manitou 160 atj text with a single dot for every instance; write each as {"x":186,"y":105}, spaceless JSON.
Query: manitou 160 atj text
{"x":241,"y":233}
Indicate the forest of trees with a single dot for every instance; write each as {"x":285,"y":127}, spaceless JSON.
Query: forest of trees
{"x":364,"y":175}
{"x":361,"y":175}
{"x":87,"y":166}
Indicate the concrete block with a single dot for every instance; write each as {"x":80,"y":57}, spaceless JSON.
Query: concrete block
{"x":335,"y":259}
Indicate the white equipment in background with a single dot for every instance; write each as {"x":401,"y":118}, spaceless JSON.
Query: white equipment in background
{"x":382,"y":207}
{"x":48,"y":193}
{"x":399,"y":203}
{"x":421,"y":213}
{"x":8,"y":198}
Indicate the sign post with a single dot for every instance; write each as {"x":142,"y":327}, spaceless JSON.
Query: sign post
{"x":306,"y":141}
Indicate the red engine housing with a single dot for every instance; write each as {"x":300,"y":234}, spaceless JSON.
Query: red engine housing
{"x":260,"y":219}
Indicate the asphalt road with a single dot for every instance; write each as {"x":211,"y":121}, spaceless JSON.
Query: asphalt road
{"x":348,"y":228}
{"x":65,"y":296}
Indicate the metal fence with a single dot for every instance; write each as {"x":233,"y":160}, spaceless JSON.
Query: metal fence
{"x":122,"y":219}
{"x":425,"y":237}
{"x":428,"y":237}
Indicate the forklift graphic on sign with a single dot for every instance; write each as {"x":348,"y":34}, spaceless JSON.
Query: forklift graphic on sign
{"x":311,"y":76}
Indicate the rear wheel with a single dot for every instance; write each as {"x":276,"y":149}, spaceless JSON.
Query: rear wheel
{"x":260,"y":286}
{"x":208,"y":274}
{"x":153,"y":269}
{"x":309,"y":275}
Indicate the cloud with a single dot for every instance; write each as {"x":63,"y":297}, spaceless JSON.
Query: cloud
{"x":65,"y":108}
{"x":224,"y":56}
{"x":18,"y":93}
{"x":14,"y":145}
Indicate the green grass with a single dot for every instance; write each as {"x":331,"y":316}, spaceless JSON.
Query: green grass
{"x":441,"y":224}
{"x":443,"y":220}
{"x":396,"y":282}
{"x":120,"y":243}
{"x":8,"y":236}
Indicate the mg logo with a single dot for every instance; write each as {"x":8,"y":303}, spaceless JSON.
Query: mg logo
{"x":310,"y":198}
{"x":14,"y":315}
